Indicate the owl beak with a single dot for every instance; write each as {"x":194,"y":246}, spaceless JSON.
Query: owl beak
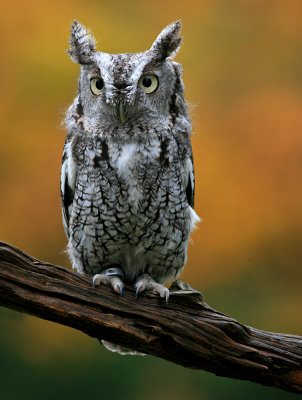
{"x":121,"y":112}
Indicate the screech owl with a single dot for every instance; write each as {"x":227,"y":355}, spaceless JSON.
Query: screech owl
{"x":127,"y":179}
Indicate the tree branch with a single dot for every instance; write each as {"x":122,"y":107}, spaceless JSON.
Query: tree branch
{"x":185,"y":331}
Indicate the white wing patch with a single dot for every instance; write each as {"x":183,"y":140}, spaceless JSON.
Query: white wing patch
{"x":193,"y":220}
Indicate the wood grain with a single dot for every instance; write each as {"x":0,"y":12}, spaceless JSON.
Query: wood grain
{"x":185,"y":331}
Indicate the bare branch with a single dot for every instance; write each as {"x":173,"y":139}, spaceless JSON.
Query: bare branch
{"x":185,"y":331}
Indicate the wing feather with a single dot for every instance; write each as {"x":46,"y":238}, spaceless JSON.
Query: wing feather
{"x":68,"y":179}
{"x":190,"y":180}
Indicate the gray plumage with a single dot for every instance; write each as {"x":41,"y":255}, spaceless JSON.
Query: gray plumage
{"x":127,"y":181}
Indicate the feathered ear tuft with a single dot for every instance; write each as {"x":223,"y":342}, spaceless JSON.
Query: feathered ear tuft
{"x":167,"y":42}
{"x":81,"y":44}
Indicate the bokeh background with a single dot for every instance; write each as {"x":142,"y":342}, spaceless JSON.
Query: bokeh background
{"x":242,"y":71}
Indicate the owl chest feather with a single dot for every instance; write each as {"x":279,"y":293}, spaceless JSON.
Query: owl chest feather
{"x":128,"y":197}
{"x":130,"y":185}
{"x":121,"y":170}
{"x":131,"y":163}
{"x":125,"y":161}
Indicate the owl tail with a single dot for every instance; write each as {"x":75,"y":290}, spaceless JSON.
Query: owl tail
{"x":116,"y":348}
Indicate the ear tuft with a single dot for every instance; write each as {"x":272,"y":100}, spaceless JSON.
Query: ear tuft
{"x":167,"y":42}
{"x":81,"y":44}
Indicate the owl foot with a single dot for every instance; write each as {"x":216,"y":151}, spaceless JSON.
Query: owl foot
{"x":110,"y":277}
{"x":145,"y":282}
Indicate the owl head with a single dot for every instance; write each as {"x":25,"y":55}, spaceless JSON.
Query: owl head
{"x":123,"y":89}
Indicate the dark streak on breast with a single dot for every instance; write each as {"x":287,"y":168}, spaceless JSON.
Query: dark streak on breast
{"x":103,"y":153}
{"x":163,"y":157}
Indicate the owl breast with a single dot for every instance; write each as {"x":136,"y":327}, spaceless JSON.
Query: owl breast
{"x":127,"y":161}
{"x":130,"y":208}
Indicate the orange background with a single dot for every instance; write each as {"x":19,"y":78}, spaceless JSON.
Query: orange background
{"x":242,"y":72}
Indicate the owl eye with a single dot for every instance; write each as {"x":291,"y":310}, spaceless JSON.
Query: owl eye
{"x":148,"y":83}
{"x":96,"y":85}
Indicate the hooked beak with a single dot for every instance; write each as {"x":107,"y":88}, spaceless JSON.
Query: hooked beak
{"x":121,"y":112}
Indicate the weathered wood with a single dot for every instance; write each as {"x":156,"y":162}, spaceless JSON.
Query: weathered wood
{"x":185,"y":331}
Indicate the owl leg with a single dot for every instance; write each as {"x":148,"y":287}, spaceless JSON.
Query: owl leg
{"x":110,"y":277}
{"x":145,"y":282}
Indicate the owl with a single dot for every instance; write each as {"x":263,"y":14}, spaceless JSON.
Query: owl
{"x":127,"y":177}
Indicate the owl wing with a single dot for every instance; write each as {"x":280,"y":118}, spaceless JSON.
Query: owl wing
{"x":190,"y":180}
{"x":68,"y":179}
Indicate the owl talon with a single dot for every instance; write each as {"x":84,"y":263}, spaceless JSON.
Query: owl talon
{"x":119,"y":288}
{"x":109,"y":280}
{"x":145,"y":282}
{"x":139,"y":289}
{"x":97,"y":279}
{"x":140,"y":286}
{"x":163,"y":292}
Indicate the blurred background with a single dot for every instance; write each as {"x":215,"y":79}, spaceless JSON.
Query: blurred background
{"x":242,"y":71}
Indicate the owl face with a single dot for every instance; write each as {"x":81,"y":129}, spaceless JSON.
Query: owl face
{"x":124,"y":88}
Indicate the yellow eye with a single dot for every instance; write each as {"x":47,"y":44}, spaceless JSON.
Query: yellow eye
{"x":96,"y":85}
{"x":148,"y":83}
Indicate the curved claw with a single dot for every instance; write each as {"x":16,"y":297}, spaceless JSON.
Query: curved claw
{"x":145,"y":282}
{"x":121,"y":289}
{"x":109,"y":280}
{"x":117,"y":285}
{"x":167,"y":296}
